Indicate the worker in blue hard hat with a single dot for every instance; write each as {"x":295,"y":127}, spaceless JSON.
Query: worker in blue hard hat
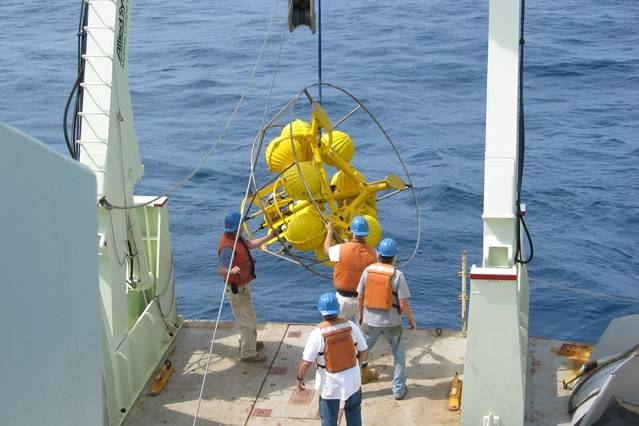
{"x":382,"y":299}
{"x":351,"y":258}
{"x":238,"y":257}
{"x":337,"y":346}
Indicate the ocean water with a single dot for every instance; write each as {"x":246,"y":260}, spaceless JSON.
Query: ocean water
{"x":421,"y":68}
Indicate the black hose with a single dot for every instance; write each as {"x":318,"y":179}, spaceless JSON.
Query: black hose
{"x":521,"y":151}
{"x":76,"y":91}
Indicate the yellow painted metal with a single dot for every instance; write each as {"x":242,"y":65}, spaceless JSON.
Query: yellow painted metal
{"x":454,"y":395}
{"x":320,"y":115}
{"x":161,"y":379}
{"x":342,"y":145}
{"x":302,"y":199}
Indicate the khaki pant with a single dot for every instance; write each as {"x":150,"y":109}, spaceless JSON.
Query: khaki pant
{"x":347,"y":307}
{"x":244,"y":314}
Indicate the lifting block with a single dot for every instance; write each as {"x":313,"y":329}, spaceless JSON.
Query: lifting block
{"x":161,"y":379}
{"x":454,"y":396}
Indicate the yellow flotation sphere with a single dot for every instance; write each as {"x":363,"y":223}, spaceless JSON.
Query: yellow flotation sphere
{"x":323,"y":257}
{"x":342,"y":145}
{"x":365,"y":209}
{"x":306,"y":231}
{"x":301,"y":130}
{"x":374,"y":231}
{"x":294,"y":185}
{"x":343,"y":182}
{"x":279,"y":152}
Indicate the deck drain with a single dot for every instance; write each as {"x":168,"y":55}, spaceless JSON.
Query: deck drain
{"x":261,"y":412}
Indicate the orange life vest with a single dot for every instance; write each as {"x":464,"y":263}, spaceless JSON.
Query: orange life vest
{"x":339,"y":349}
{"x":378,"y":289}
{"x":354,"y":257}
{"x":242,"y":258}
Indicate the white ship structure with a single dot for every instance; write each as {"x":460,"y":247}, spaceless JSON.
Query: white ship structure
{"x":89,"y":300}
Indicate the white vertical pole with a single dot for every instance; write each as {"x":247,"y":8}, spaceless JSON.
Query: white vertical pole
{"x":496,"y":352}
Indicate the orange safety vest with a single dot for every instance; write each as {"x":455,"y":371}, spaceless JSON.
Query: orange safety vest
{"x":354,"y":257}
{"x":242,"y":258}
{"x":339,"y":349}
{"x":378,"y":289}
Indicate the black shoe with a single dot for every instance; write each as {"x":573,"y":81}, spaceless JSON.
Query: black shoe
{"x":401,"y":395}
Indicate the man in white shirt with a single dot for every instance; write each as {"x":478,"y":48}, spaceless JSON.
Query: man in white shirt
{"x":337,"y":346}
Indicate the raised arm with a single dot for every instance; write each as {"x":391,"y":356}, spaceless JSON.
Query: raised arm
{"x":259,"y":241}
{"x":329,"y":237}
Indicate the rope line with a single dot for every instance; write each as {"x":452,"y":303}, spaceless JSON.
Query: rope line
{"x":237,"y":232}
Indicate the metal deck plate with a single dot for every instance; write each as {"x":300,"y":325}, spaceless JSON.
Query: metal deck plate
{"x":238,"y":393}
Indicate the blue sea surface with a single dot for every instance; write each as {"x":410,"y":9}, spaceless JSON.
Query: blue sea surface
{"x":421,"y":68}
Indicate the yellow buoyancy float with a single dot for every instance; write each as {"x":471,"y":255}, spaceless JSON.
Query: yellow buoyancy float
{"x":306,"y":231}
{"x":301,"y":130}
{"x":294,"y":184}
{"x":279,"y":152}
{"x":342,"y":145}
{"x":343,"y":183}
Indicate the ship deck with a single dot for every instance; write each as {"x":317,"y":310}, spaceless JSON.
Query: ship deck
{"x":238,"y":393}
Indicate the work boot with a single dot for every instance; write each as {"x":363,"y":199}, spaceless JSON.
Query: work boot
{"x":255,"y":358}
{"x":368,"y":375}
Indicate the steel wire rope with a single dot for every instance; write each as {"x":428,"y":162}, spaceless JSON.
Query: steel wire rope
{"x":247,"y":86}
{"x":291,"y":109}
{"x":237,"y":231}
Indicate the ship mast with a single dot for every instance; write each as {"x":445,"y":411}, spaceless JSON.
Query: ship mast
{"x":497,"y":349}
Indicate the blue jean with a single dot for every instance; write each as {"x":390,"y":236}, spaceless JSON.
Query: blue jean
{"x":329,"y":410}
{"x":394,"y":337}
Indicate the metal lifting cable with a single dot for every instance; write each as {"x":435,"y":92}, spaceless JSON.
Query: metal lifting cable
{"x":237,"y":232}
{"x":247,"y":86}
{"x":319,"y":48}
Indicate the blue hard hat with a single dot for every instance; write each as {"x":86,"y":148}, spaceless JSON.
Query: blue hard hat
{"x":328,"y":304}
{"x":387,"y":248}
{"x":359,"y":226}
{"x":232,"y":222}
